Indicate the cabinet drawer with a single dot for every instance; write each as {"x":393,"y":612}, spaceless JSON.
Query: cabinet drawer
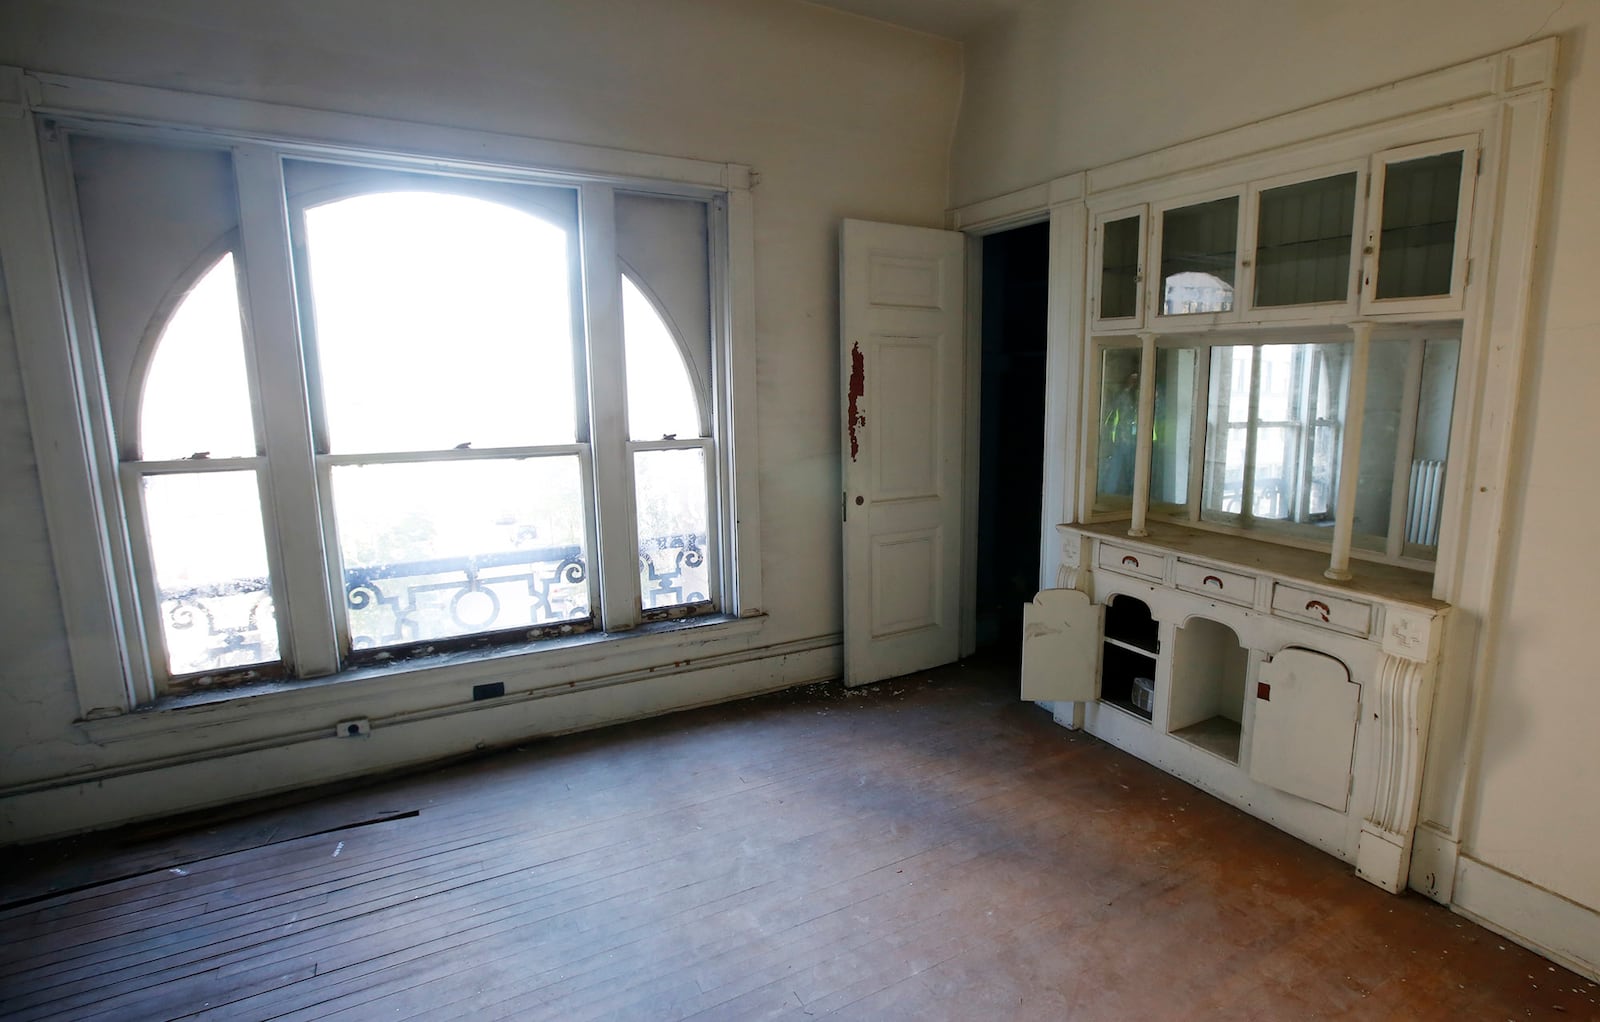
{"x":1217,"y":583}
{"x":1321,"y":608}
{"x":1133,"y":562}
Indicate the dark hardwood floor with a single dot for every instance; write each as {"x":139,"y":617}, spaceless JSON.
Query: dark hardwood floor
{"x":929,"y":848}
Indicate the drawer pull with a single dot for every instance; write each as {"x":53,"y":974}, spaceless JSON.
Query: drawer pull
{"x":1130,"y":559}
{"x":1211,"y":580}
{"x":1319,"y":607}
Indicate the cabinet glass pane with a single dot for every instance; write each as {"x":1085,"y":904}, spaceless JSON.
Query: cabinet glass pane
{"x":1303,"y":240}
{"x":1199,"y":247}
{"x":1119,"y":268}
{"x":1272,"y":443}
{"x":1119,"y":425}
{"x":1381,"y":426}
{"x":1416,"y":249}
{"x":1174,"y":422}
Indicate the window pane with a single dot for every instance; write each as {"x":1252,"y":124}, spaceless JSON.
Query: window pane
{"x":1199,"y":246}
{"x":210,"y":560}
{"x":1417,"y":249}
{"x":1429,"y":456}
{"x":670,"y":489}
{"x":1303,"y":241}
{"x":1169,"y":452}
{"x":441,"y":320}
{"x":1119,"y":426}
{"x":440,"y":549}
{"x":196,"y":396}
{"x":1387,"y":368}
{"x":1228,"y":415}
{"x":661,"y":399}
{"x":1119,"y":268}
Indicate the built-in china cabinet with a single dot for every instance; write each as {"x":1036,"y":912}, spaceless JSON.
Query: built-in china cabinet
{"x":1278,"y":397}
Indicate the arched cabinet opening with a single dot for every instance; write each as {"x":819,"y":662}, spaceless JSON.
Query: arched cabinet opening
{"x":1208,"y":687}
{"x":1128,"y":661}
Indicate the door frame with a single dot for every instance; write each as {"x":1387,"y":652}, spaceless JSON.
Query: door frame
{"x":1060,"y":205}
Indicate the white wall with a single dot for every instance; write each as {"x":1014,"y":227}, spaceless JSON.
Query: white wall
{"x":840,"y":117}
{"x":1069,"y":86}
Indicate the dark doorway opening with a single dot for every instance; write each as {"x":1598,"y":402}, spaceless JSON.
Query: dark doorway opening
{"x":1016,"y":265}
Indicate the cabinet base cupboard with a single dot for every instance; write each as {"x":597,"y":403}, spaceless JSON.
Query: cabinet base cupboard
{"x":1235,"y":665}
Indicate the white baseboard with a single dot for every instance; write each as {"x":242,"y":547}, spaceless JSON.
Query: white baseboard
{"x":73,"y":807}
{"x":1562,"y":930}
{"x":1433,"y":863}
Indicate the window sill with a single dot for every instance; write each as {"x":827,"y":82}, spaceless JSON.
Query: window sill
{"x":415,"y":686}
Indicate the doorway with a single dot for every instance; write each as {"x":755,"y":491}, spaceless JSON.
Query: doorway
{"x":1014,"y":334}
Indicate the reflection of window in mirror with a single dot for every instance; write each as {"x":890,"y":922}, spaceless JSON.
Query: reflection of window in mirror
{"x":1119,"y":426}
{"x":1199,"y":247}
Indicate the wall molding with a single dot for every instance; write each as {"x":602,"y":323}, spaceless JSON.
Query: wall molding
{"x":210,"y":778}
{"x":1541,"y":920}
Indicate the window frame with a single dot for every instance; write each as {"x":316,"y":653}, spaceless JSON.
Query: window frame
{"x":69,"y":408}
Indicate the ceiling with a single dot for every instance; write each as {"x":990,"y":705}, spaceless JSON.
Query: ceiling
{"x":955,"y":19}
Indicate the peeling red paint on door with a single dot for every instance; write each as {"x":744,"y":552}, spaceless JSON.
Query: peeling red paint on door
{"x":858,"y":386}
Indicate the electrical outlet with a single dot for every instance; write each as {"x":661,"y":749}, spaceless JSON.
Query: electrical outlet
{"x":353,"y":728}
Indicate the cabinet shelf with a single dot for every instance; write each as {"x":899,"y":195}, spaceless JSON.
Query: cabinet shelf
{"x":1217,"y":735}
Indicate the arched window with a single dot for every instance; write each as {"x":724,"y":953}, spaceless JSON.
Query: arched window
{"x":199,"y":491}
{"x":444,"y":349}
{"x":364,"y":409}
{"x":670,"y":451}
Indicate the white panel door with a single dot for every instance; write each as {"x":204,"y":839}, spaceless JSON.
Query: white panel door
{"x":1304,"y":735}
{"x":902,"y":362}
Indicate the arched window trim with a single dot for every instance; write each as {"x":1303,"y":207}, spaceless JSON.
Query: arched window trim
{"x":697,"y":382}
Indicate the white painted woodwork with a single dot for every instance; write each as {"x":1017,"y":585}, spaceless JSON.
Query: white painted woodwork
{"x":71,"y":478}
{"x":1304,"y":735}
{"x":1208,"y":676}
{"x":1061,"y":633}
{"x":1321,"y":606}
{"x":308,"y":570}
{"x":1454,"y":298}
{"x":1147,"y":413}
{"x":1217,"y":643}
{"x":1213,"y":582}
{"x":1099,"y":321}
{"x":901,"y":374}
{"x":616,"y":542}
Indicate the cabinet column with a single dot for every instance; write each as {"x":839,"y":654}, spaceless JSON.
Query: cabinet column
{"x":1147,"y":413}
{"x":1400,"y":702}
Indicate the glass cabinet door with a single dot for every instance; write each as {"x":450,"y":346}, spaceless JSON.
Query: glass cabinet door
{"x":1304,"y":242}
{"x":1199,"y":246}
{"x":1417,"y":226}
{"x":1119,"y":269}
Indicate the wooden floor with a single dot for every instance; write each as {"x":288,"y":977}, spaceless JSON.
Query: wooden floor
{"x":927,"y":849}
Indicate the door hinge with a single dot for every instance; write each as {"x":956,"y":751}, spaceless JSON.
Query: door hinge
{"x":844,"y":506}
{"x":1467,"y":279}
{"x":1479,"y":171}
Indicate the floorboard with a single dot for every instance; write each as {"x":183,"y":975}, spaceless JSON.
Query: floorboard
{"x":928,"y":848}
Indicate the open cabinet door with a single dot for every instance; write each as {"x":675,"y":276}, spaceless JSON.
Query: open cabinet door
{"x":1061,"y":647}
{"x":901,"y":322}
